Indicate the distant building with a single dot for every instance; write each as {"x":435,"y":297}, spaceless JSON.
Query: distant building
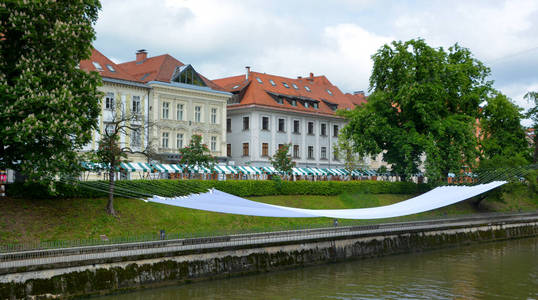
{"x":267,"y":111}
{"x":182,"y":103}
{"x":121,"y":91}
{"x":171,"y":96}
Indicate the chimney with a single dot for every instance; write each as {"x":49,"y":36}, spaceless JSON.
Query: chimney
{"x":248,"y":71}
{"x":358,"y":93}
{"x":141,"y":56}
{"x":299,"y":77}
{"x":311,"y":77}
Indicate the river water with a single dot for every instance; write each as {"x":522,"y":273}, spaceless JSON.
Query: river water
{"x":499,"y":270}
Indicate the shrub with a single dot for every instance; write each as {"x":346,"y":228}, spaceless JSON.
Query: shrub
{"x":241,"y":188}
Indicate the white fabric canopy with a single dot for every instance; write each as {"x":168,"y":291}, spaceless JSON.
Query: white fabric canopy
{"x":218,"y":201}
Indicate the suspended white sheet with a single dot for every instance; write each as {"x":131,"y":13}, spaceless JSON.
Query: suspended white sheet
{"x":218,"y":201}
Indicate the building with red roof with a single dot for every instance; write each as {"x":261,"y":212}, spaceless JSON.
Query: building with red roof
{"x":266,"y":111}
{"x":123,"y":95}
{"x":165,"y":92}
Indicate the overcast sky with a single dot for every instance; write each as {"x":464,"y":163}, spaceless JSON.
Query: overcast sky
{"x":334,"y":38}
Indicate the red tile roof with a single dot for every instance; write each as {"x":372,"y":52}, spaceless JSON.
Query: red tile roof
{"x":159,"y":68}
{"x":260,"y":93}
{"x":103,"y":61}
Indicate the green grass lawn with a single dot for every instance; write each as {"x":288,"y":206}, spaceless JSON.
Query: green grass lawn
{"x":24,"y":220}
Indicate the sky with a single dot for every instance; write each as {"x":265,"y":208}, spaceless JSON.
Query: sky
{"x":332,"y":38}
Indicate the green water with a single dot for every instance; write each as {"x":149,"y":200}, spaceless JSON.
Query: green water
{"x":501,"y":270}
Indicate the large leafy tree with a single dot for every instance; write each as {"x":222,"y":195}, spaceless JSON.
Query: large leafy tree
{"x":196,"y":153}
{"x":48,"y":106}
{"x":423,"y":107}
{"x":501,"y":132}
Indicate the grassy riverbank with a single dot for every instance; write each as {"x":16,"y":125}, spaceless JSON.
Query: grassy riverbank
{"x":24,"y":220}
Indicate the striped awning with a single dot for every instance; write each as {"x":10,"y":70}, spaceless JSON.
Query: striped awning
{"x":249,"y":170}
{"x":160,"y":168}
{"x":343,"y":172}
{"x":91,"y":166}
{"x":317,"y":171}
{"x":269,"y":170}
{"x":199,"y":169}
{"x":224,"y":169}
{"x":301,"y":171}
{"x":172,"y":168}
{"x":136,"y":167}
{"x":356,"y":173}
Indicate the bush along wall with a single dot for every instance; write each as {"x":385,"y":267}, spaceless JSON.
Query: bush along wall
{"x":241,"y":188}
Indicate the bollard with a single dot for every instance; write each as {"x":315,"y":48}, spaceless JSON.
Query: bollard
{"x":162,"y":234}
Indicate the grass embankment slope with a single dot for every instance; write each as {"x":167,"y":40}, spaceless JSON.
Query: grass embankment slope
{"x":24,"y":220}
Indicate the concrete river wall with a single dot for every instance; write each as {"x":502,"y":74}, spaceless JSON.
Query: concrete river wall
{"x":83,"y":271}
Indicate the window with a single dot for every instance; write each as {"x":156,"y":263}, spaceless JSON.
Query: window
{"x":315,"y":105}
{"x":311,"y":128}
{"x":110,"y":68}
{"x":285,"y":85}
{"x":213,"y":143}
{"x":213,"y":116}
{"x":335,"y":130}
{"x":229,"y":150}
{"x":272,"y":82}
{"x":109,"y":101}
{"x":293,"y":102}
{"x":135,"y":137}
{"x":280,"y":146}
{"x":306,"y":104}
{"x":245,"y":149}
{"x":109,"y":129}
{"x":296,"y":125}
{"x":246,"y":123}
{"x":323,"y":129}
{"x":259,"y":80}
{"x":295,"y":86}
{"x":198,"y":114}
{"x":97,"y":66}
{"x":310,"y":152}
{"x":281,"y":125}
{"x":323,"y":153}
{"x":265,"y":149}
{"x":307,"y":88}
{"x":166,"y":108}
{"x":228,"y":125}
{"x":165,"y":140}
{"x":335,"y":154}
{"x":179,"y":112}
{"x":136,"y":105}
{"x":265,"y":123}
{"x":279,"y":100}
{"x":179,"y":140}
{"x":295,"y":151}
{"x":329,"y":92}
{"x":235,"y":86}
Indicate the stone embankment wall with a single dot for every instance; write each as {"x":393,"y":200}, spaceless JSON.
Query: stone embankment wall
{"x":107,"y":275}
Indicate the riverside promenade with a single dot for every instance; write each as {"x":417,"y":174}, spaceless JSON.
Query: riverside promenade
{"x":108,"y":268}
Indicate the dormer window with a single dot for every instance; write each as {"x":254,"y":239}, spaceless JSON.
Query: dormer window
{"x":307,"y":88}
{"x":187,"y":75}
{"x":329,"y":92}
{"x":306,"y":104}
{"x":110,"y":68}
{"x":295,"y":86}
{"x":259,"y":80}
{"x":235,"y":87}
{"x":285,"y":85}
{"x":293,"y":102}
{"x":97,"y":66}
{"x":272,"y":82}
{"x":315,"y":105}
{"x":279,"y":100}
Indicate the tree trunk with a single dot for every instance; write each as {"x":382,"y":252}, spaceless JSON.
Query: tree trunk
{"x":110,"y":205}
{"x":535,"y":144}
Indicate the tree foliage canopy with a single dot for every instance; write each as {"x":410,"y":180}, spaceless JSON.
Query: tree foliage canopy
{"x":501,"y":132}
{"x":48,"y":106}
{"x":196,"y":153}
{"x":424,"y":104}
{"x":282,"y":160}
{"x":532,"y":114}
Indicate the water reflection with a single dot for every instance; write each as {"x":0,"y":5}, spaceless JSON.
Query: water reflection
{"x":503,"y":270}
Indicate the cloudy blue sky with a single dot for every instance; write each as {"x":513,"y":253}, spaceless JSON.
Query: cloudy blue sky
{"x":334,"y":38}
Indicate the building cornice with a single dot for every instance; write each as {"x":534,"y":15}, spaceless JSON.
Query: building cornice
{"x":189,"y":88}
{"x":125,"y":82}
{"x":232,"y":108}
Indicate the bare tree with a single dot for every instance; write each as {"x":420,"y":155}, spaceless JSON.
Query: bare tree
{"x":112,"y":151}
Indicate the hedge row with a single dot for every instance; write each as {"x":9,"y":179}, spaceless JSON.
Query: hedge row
{"x":242,"y":188}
